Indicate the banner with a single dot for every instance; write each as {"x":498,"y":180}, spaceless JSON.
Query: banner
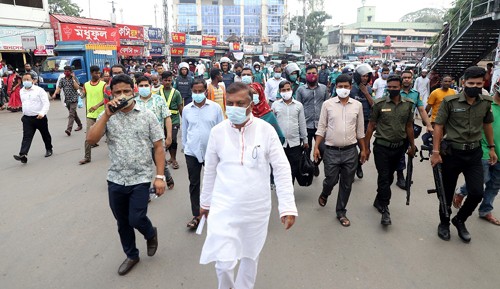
{"x":153,"y":34}
{"x":234,"y":46}
{"x":130,"y":34}
{"x":192,"y":52}
{"x":156,"y":50}
{"x":207,"y":53}
{"x":193,"y":40}
{"x":252,"y":49}
{"x":131,"y":51}
{"x":178,"y":38}
{"x":176,"y":51}
{"x":10,"y":39}
{"x":93,"y":34}
{"x":209,"y":41}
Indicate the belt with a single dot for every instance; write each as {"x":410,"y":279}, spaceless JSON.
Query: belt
{"x":465,"y":146}
{"x":174,"y":111}
{"x":341,"y":148}
{"x":388,"y":144}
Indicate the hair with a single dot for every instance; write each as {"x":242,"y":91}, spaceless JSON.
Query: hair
{"x":237,"y":65}
{"x":236,"y":87}
{"x":199,"y":81}
{"x":284,"y":61}
{"x":395,"y":77}
{"x":149,"y":64}
{"x":118,"y":66}
{"x":143,"y":78}
{"x":27,"y":73}
{"x":447,"y":75}
{"x":344,"y":78}
{"x":67,"y":67}
{"x":166,"y":74}
{"x":247,"y":68}
{"x":406,"y":71}
{"x":27,"y":64}
{"x":312,"y":66}
{"x":214,"y":72}
{"x":385,"y":69}
{"x":121,"y":78}
{"x":474,"y":72}
{"x":94,"y":68}
{"x":283,"y":83}
{"x":138,"y":74}
{"x":277,"y":67}
{"x":489,"y":65}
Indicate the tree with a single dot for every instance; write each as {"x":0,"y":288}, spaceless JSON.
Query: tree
{"x":65,"y":7}
{"x":426,"y":15}
{"x":314,"y":32}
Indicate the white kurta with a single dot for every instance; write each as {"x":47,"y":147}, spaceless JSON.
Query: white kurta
{"x":236,"y":189}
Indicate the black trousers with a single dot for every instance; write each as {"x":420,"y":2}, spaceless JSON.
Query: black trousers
{"x":386,"y":162}
{"x":469,"y":164}
{"x":194,"y":174}
{"x":311,"y":134}
{"x":30,"y":125}
{"x":293,"y":155}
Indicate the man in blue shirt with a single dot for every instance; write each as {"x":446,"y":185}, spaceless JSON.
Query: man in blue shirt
{"x":198,"y":119}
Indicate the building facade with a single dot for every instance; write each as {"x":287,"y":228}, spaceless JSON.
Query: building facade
{"x":256,"y":21}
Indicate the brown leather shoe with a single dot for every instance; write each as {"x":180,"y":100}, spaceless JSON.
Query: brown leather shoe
{"x":152,"y":243}
{"x":127,"y":265}
{"x":84,"y":161}
{"x":79,"y":128}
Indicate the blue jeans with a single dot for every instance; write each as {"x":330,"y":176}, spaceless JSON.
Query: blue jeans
{"x":492,"y":185}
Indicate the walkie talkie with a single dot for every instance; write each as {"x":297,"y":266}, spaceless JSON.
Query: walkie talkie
{"x":122,"y":104}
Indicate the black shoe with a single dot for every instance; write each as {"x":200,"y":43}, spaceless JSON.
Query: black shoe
{"x":444,"y":232}
{"x":386,"y":217}
{"x":378,"y":206}
{"x":22,"y":158}
{"x":316,"y":170}
{"x":127,"y":265}
{"x":359,"y":172}
{"x":462,"y":230}
{"x":401,"y":182}
{"x":48,"y":153}
{"x":152,"y":243}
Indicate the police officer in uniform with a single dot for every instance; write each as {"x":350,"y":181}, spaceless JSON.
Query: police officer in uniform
{"x":392,"y":115}
{"x":183,"y":83}
{"x":227,"y":75}
{"x":464,"y":116}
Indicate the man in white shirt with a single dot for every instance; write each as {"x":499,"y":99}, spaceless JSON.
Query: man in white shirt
{"x":380,"y":84}
{"x":273,"y":83}
{"x":35,"y":107}
{"x":423,"y":86}
{"x":200,"y":69}
{"x":236,"y":194}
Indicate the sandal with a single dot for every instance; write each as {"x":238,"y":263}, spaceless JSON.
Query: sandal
{"x":170,"y":183}
{"x":322,"y":200}
{"x":193,"y":224}
{"x":169,"y":162}
{"x":175,"y":165}
{"x":344,"y":221}
{"x":84,"y":161}
{"x":489,"y":217}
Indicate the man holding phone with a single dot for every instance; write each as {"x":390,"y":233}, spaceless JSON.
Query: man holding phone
{"x":70,"y":85}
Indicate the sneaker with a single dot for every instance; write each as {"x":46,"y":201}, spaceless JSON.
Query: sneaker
{"x":22,"y":158}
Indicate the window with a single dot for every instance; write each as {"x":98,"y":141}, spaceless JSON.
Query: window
{"x":187,"y":1}
{"x":77,"y":64}
{"x":187,"y":9}
{"x":369,"y":18}
{"x":27,"y":3}
{"x":231,"y":10}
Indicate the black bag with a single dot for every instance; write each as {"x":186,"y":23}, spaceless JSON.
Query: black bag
{"x":306,"y":170}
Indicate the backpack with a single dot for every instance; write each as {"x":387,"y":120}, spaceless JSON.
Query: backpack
{"x":306,"y":170}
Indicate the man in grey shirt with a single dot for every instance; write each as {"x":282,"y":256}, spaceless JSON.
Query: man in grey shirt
{"x":131,"y":132}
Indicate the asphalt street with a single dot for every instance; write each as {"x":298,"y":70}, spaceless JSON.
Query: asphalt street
{"x":57,"y":231}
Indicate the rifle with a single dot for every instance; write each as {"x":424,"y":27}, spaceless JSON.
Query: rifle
{"x":438,"y":181}
{"x":409,"y":181}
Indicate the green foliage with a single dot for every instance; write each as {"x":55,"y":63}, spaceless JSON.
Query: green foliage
{"x":65,"y":7}
{"x":314,"y":25}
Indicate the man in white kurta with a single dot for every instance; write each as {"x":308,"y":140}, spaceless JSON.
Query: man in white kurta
{"x":236,"y":192}
{"x":422,"y":85}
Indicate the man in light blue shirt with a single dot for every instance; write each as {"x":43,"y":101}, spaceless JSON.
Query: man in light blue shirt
{"x":198,"y":119}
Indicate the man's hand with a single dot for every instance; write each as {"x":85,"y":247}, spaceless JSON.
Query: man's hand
{"x":429,"y":128}
{"x":411,"y":151}
{"x":305,"y":146}
{"x":204,"y":212}
{"x":92,"y":109}
{"x":363,"y":89}
{"x":363,"y":156}
{"x":40,"y":116}
{"x":317,"y":154}
{"x":288,"y":221}
{"x":436,"y":159}
{"x":168,"y":142}
{"x":114,"y":102}
{"x":159,"y":185}
{"x":493,"y":157}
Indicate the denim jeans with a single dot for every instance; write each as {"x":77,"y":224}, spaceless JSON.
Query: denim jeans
{"x":492,"y":185}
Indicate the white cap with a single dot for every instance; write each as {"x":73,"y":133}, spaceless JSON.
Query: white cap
{"x":425,"y":70}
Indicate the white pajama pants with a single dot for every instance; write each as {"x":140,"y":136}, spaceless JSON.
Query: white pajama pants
{"x":247,"y":274}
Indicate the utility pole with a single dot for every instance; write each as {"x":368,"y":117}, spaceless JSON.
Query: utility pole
{"x":304,"y":36}
{"x":155,"y":7}
{"x":166,"y":29}
{"x":89,"y":10}
{"x":113,"y":15}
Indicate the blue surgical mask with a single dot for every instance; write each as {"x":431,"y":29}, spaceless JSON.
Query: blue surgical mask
{"x":246,"y":79}
{"x":144,"y":91}
{"x":237,"y":115}
{"x":277,"y":75}
{"x":256,"y":99}
{"x":293,"y":77}
{"x":198,"y":97}
{"x":27,"y":84}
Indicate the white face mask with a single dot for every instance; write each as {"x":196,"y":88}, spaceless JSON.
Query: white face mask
{"x":286,"y":95}
{"x":342,"y":92}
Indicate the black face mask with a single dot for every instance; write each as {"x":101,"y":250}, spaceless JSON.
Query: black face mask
{"x":393,"y":92}
{"x":472,"y":91}
{"x":238,"y":73}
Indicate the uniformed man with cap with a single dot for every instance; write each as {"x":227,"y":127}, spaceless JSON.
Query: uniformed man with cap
{"x":392,"y":115}
{"x":464,"y":117}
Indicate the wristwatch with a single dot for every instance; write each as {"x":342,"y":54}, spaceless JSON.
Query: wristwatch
{"x":491,"y":146}
{"x":160,"y":177}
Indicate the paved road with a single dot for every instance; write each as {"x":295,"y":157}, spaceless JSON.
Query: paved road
{"x":57,"y":231}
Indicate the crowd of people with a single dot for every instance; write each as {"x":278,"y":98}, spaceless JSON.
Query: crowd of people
{"x":250,"y":123}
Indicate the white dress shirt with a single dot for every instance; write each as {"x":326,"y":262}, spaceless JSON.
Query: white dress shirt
{"x":272,"y":86}
{"x":292,"y":121}
{"x":35,"y":101}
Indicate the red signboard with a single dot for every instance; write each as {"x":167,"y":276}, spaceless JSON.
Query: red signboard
{"x":178,"y":38}
{"x":92,"y":34}
{"x":209,"y":40}
{"x":207,"y":52}
{"x":176,"y":51}
{"x":234,"y":46}
{"x":130,"y":32}
{"x":131,"y":51}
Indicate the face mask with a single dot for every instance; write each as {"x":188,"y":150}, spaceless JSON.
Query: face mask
{"x":385,"y":76}
{"x":238,"y":73}
{"x":198,"y":97}
{"x":472,"y":91}
{"x":256,"y":99}
{"x":393,"y":92}
{"x":246,"y":79}
{"x":277,"y":75}
{"x":342,"y":92}
{"x":257,"y":69}
{"x":311,"y":78}
{"x":237,"y":115}
{"x":293,"y":77}
{"x":27,"y":84}
{"x":144,"y":91}
{"x":286,"y":95}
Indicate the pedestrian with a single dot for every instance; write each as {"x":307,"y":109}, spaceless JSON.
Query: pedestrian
{"x":216,"y":91}
{"x":238,"y":67}
{"x":258,"y":75}
{"x":183,"y":83}
{"x":292,"y":121}
{"x":392,"y":116}
{"x":27,"y":69}
{"x":437,"y":96}
{"x":158,"y":105}
{"x":380,"y":84}
{"x":198,"y":118}
{"x":422,"y":85}
{"x":93,"y":93}
{"x":155,"y":83}
{"x":227,"y":75}
{"x":200,"y":69}
{"x":131,"y":133}
{"x":70,"y":85}
{"x":463,"y":116}
{"x":491,"y":172}
{"x":292,"y":74}
{"x":14,"y":85}
{"x":434,"y":80}
{"x":273,"y":83}
{"x":341,"y":126}
{"x":236,"y":195}
{"x":333,"y":77}
{"x":35,"y":108}
{"x":488,"y":77}
{"x":174,"y":102}
{"x":324,"y":73}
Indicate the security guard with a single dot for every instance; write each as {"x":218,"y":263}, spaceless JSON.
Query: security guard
{"x":392,"y":115}
{"x":464,"y":116}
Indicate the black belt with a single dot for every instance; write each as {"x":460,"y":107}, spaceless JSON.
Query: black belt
{"x":388,"y":144}
{"x":341,"y":148}
{"x":465,"y":146}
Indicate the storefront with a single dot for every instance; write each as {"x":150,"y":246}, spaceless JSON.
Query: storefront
{"x":131,"y":39}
